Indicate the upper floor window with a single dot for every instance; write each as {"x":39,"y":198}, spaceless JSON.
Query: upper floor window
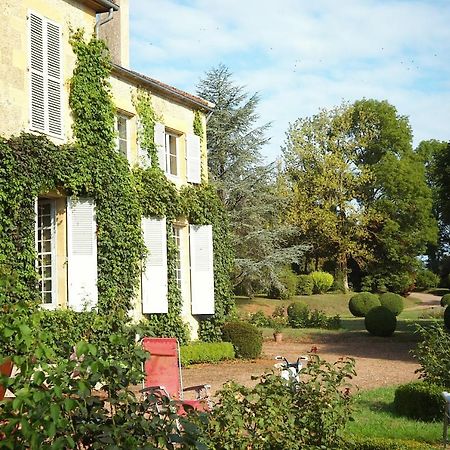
{"x":171,"y":154}
{"x":45,"y":75}
{"x":122,"y":134}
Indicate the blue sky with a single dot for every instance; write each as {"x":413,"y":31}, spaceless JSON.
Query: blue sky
{"x":302,"y":55}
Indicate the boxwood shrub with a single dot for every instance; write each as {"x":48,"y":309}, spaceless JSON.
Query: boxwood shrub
{"x":245,"y":337}
{"x":393,"y":302}
{"x":380,"y":321}
{"x":419,"y":400}
{"x":360,"y":304}
{"x":206,"y":352}
{"x":445,"y":300}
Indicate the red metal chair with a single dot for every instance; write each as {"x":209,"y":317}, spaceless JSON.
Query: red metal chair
{"x":163,"y":375}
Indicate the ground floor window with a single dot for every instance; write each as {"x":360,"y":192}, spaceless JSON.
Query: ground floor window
{"x":45,"y":242}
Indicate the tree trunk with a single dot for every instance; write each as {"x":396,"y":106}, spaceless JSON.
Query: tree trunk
{"x":342,"y":272}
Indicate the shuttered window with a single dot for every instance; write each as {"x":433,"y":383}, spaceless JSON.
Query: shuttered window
{"x":202,"y":271}
{"x":154,"y":276}
{"x":82,"y":253}
{"x":45,"y":75}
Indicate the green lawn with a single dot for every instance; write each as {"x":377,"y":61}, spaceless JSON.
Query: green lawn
{"x":375,"y":418}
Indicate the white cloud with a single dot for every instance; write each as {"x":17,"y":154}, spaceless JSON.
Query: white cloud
{"x":302,"y":55}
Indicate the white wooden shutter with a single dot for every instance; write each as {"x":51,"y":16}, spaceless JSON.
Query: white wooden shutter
{"x":202,"y":271}
{"x":154,"y":277}
{"x":160,"y":143}
{"x":45,"y":75}
{"x":37,"y":103}
{"x":193,"y":157}
{"x":82,"y":253}
{"x":53,"y":55}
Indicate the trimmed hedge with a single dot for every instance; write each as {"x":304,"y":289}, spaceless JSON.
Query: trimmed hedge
{"x":419,"y":400}
{"x":445,"y":300}
{"x":447,"y":317}
{"x":393,"y":302}
{"x":305,"y":285}
{"x":380,"y":321}
{"x":360,"y":443}
{"x":360,"y":304}
{"x":245,"y":337}
{"x":206,"y":352}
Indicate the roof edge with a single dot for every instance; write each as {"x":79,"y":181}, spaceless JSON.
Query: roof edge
{"x":159,"y":86}
{"x":101,"y":6}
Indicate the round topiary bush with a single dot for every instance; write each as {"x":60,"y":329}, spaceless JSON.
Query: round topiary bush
{"x":380,"y":321}
{"x":305,"y":285}
{"x":447,"y":317}
{"x":419,"y":400}
{"x":298,"y":314}
{"x":360,"y":304}
{"x":245,"y":337}
{"x":445,"y":300}
{"x":393,"y":302}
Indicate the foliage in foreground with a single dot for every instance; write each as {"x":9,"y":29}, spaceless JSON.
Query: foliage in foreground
{"x":433,"y":354}
{"x":278,"y":415}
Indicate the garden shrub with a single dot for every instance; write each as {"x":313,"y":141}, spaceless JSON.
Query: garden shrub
{"x":259,"y":319}
{"x":322,"y":282}
{"x":286,"y":285}
{"x":300,"y":316}
{"x":445,"y":300}
{"x":433,"y":354}
{"x":426,"y":279}
{"x":276,"y":415}
{"x":380,"y":321}
{"x":298,"y":313}
{"x":305,"y":285}
{"x":360,"y":304}
{"x":206,"y":352}
{"x":447,"y":318}
{"x":419,"y":400}
{"x":363,"y":443}
{"x":393,"y":302}
{"x":400,"y":283}
{"x":245,"y":337}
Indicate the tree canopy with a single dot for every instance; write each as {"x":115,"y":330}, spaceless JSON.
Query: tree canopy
{"x":358,"y":190}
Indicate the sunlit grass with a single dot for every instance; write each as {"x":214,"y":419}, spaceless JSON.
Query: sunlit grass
{"x":375,"y":418}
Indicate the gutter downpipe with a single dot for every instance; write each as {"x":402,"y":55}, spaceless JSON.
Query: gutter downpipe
{"x":209,"y":116}
{"x":99,"y":23}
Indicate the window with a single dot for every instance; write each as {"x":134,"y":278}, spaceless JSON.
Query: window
{"x":45,"y":75}
{"x":171,"y":154}
{"x":177,"y":237}
{"x":45,"y":243}
{"x":122,"y":134}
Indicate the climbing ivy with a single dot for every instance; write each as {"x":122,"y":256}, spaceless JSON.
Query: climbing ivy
{"x":203,"y":207}
{"x":31,"y":165}
{"x":198,"y":126}
{"x":142,"y":102}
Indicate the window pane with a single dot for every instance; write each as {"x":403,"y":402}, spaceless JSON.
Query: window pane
{"x":122,"y":127}
{"x":44,"y":246}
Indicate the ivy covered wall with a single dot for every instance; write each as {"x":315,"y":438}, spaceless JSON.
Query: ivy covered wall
{"x":31,"y":165}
